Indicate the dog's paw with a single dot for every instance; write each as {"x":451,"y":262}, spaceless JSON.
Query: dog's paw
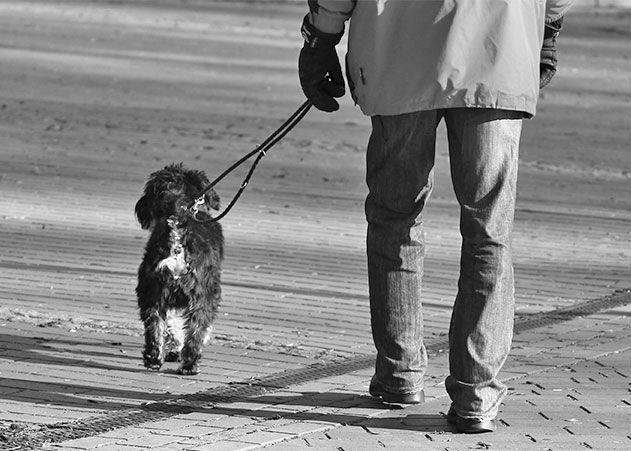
{"x":188,"y":370}
{"x":153,"y":366}
{"x":152,"y":362}
{"x":172,"y":356}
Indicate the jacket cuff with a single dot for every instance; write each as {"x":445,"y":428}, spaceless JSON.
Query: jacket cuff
{"x":329,"y":17}
{"x":315,"y":38}
{"x":552,"y":29}
{"x":556,"y":9}
{"x":327,"y":24}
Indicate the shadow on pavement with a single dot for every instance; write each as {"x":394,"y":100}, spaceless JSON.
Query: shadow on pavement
{"x":74,"y":395}
{"x":327,"y":407}
{"x":59,"y":352}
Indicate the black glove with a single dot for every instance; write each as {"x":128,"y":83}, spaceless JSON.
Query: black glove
{"x":548,"y":61}
{"x":319,"y":67}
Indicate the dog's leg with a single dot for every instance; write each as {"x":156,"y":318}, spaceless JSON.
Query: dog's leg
{"x":174,"y":336}
{"x":152,"y":313}
{"x":198,"y":327}
{"x":155,"y":328}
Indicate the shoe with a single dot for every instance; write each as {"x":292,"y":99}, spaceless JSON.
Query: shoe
{"x":452,"y":416}
{"x":377,"y":391}
{"x":469,"y":425}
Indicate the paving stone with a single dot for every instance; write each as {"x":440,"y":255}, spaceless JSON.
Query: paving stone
{"x":128,"y":433}
{"x":300,"y":428}
{"x":151,"y":440}
{"x":114,"y":447}
{"x":195,"y":417}
{"x":264,"y":438}
{"x":171,"y":423}
{"x":235,"y":433}
{"x":189,"y":431}
{"x":298,"y":445}
{"x":225,"y":445}
{"x":231,"y":422}
{"x":90,"y":443}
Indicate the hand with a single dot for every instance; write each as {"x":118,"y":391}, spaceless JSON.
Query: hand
{"x":548,"y":61}
{"x":319,"y":68}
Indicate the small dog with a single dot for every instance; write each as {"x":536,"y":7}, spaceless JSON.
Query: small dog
{"x":179,"y":288}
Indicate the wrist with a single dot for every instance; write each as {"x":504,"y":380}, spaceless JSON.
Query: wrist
{"x":315,"y":38}
{"x":552,"y":29}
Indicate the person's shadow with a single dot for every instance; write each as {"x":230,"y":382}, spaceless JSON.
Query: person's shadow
{"x":341,"y":408}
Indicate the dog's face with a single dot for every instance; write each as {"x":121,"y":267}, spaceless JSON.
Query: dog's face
{"x":169,"y":191}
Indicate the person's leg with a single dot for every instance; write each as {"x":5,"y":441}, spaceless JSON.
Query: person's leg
{"x":484,"y":146}
{"x":399,"y":175}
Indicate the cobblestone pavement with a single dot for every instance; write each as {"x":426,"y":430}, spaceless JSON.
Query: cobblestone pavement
{"x":96,"y":95}
{"x":568,"y":379}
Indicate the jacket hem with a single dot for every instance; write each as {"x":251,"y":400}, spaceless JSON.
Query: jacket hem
{"x":526,"y":105}
{"x":529,"y":110}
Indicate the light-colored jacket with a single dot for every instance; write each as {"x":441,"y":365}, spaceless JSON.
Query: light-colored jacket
{"x":412,"y":55}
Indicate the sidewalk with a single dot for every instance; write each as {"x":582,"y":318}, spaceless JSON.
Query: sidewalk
{"x":568,"y":389}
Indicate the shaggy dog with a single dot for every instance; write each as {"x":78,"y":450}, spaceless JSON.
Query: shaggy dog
{"x":179,"y":278}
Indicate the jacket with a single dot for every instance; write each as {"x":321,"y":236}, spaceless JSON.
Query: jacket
{"x":412,"y":55}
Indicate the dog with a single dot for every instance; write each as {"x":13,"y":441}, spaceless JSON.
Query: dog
{"x":179,"y":288}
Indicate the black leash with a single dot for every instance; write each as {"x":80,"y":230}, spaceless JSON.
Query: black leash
{"x":261,"y":150}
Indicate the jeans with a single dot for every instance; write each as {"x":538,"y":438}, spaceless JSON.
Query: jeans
{"x":483,"y":150}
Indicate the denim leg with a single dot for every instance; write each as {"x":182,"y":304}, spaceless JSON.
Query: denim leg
{"x":484,"y":147}
{"x":399,"y":175}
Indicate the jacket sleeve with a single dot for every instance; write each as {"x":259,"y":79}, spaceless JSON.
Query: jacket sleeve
{"x":555,"y":9}
{"x":329,"y":16}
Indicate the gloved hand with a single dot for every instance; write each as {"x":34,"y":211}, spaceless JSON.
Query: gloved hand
{"x":548,"y":61}
{"x":319,"y":67}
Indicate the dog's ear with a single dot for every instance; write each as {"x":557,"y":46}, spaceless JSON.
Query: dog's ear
{"x":212,"y":199}
{"x":143,"y":212}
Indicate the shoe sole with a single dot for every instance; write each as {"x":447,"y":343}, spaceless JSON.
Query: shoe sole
{"x":470,"y":426}
{"x":394,"y":398}
{"x":467,"y":426}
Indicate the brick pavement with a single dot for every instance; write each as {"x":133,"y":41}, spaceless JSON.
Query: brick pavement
{"x":568,"y":389}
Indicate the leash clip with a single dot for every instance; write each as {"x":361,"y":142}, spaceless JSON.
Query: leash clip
{"x":198,"y":203}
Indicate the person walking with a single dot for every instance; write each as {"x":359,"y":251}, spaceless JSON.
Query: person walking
{"x":478,"y":65}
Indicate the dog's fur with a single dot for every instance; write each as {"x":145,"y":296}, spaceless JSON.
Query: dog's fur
{"x":179,"y":278}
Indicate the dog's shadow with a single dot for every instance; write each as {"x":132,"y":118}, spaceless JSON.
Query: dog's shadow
{"x":57,"y":357}
{"x":74,"y":353}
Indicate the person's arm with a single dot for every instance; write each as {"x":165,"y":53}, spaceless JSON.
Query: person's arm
{"x":318,"y":65}
{"x":555,"y":11}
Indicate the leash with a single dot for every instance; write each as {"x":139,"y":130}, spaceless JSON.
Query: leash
{"x":261,"y":149}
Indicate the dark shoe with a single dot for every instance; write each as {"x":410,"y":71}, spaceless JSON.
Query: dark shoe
{"x":452,"y":416}
{"x":469,"y":425}
{"x":377,"y":391}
